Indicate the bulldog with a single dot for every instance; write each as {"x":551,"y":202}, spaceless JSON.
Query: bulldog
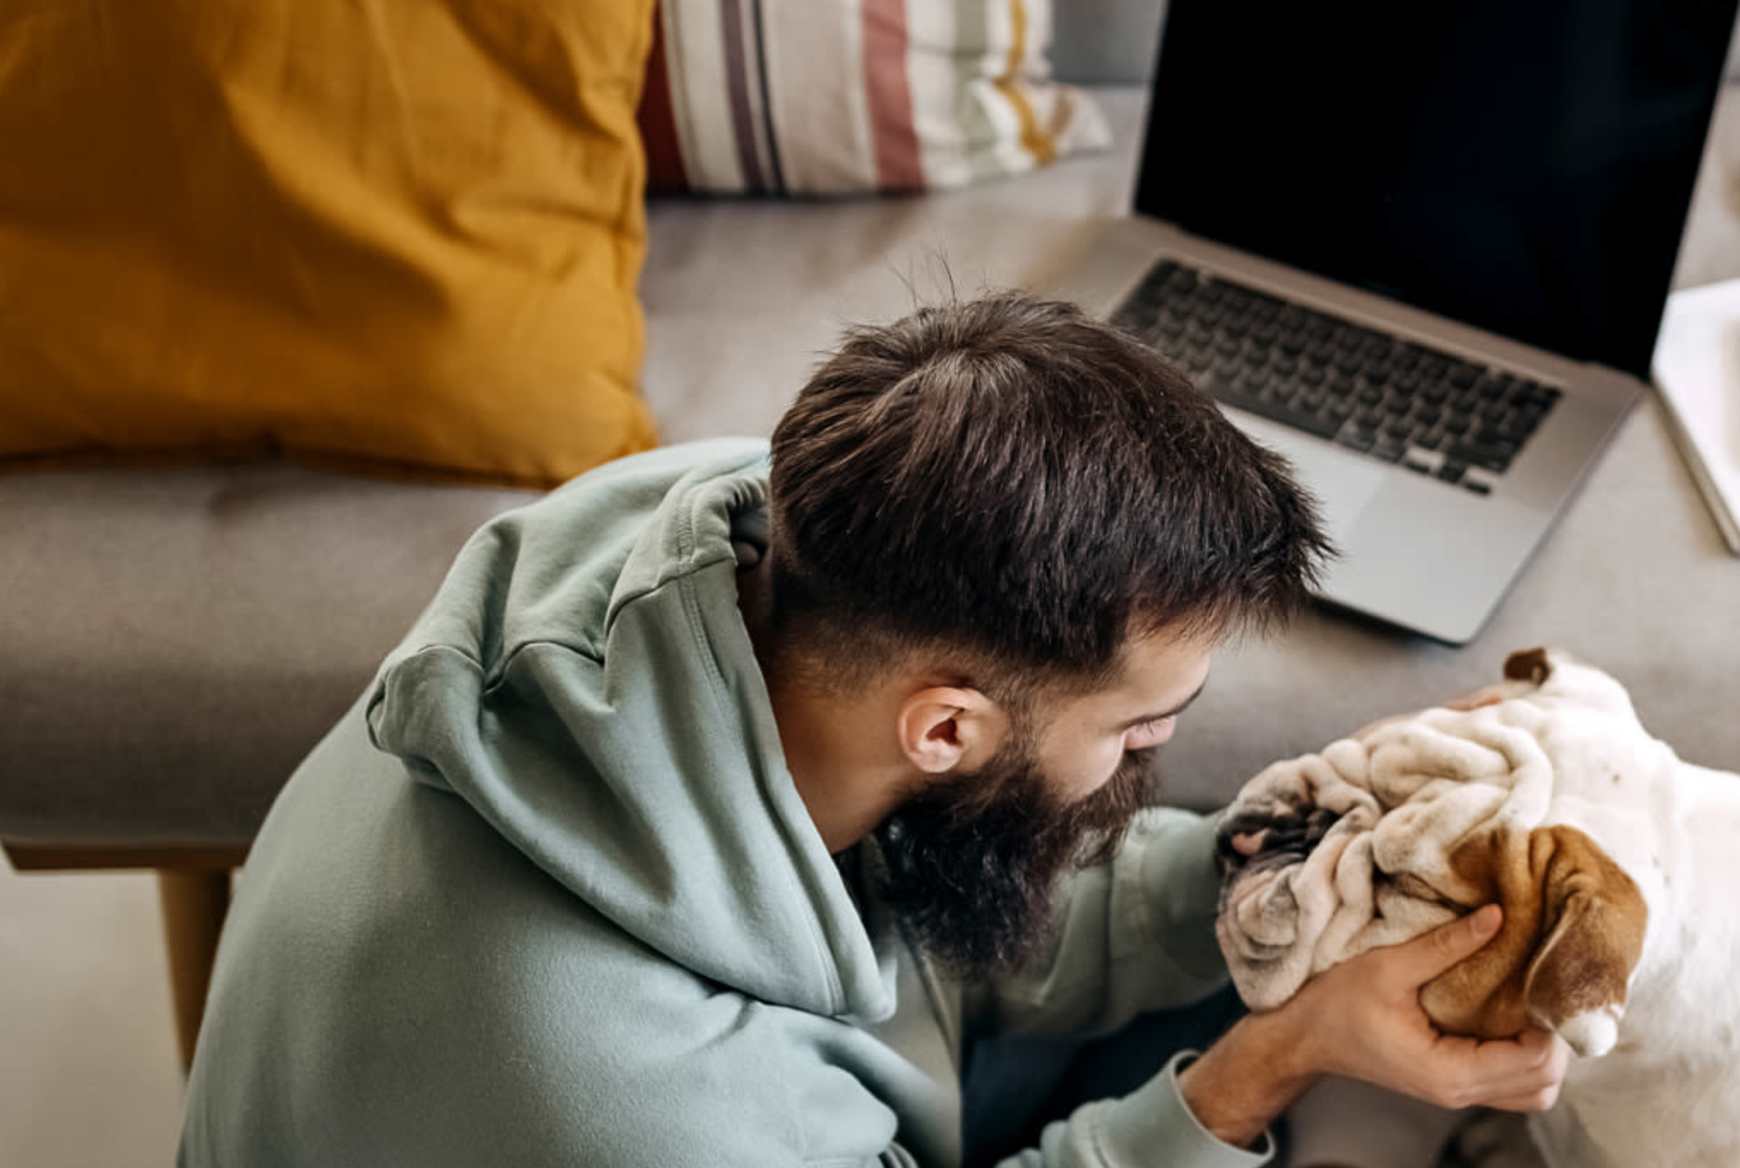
{"x":1617,"y":864}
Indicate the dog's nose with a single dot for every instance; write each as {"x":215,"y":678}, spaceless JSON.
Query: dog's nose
{"x":1269,"y":837}
{"x":1248,"y":843}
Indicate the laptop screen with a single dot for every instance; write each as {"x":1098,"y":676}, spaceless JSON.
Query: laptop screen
{"x":1521,"y":167}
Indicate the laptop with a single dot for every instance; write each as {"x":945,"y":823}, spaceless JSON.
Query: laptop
{"x":1422,"y":250}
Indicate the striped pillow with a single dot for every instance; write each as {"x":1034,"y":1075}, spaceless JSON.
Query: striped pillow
{"x":818,"y":97}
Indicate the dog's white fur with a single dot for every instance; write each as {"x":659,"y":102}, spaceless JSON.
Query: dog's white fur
{"x":1665,"y":1088}
{"x":1669,"y":1090}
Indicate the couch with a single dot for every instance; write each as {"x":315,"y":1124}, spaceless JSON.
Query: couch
{"x":174,"y":641}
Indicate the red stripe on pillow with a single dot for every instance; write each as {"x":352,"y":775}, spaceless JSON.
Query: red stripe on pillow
{"x":658,"y":120}
{"x":898,"y":166}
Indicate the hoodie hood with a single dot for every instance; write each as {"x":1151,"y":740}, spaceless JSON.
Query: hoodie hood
{"x":584,"y":680}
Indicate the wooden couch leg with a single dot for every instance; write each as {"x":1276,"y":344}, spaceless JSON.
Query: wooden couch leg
{"x":194,"y":903}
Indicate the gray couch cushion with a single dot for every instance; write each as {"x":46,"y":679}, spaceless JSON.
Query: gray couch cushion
{"x":175,"y":641}
{"x":742,"y":296}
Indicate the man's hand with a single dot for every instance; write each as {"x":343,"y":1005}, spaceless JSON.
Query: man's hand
{"x":1363,"y":1020}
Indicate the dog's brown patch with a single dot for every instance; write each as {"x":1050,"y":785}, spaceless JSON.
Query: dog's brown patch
{"x":1530,"y":665}
{"x":1572,"y":933}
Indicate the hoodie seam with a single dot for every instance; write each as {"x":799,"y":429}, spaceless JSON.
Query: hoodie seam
{"x":1096,"y":1125}
{"x":949,"y":1021}
{"x":494,"y":678}
{"x":445,"y":647}
{"x":497,"y":677}
{"x":680,"y":574}
{"x":394,"y":661}
{"x":717,"y":689}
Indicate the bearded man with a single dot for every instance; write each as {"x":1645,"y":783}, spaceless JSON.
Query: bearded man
{"x":727,"y":802}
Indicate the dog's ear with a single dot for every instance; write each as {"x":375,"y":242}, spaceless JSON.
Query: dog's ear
{"x":1572,"y":934}
{"x":1577,"y":982}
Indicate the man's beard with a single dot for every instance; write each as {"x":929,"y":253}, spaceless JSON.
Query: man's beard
{"x":972,"y":863}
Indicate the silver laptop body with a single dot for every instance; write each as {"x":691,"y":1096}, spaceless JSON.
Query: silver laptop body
{"x":1429,"y":547}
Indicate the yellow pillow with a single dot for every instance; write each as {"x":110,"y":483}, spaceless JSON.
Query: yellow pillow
{"x":405,"y":232}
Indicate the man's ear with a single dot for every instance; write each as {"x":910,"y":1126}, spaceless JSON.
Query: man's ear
{"x":947,"y":728}
{"x":1572,"y":935}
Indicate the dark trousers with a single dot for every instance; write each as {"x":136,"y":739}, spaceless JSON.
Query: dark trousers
{"x":1016,"y":1085}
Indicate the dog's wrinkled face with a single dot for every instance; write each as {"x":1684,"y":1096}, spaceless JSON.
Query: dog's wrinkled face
{"x":1384,"y":836}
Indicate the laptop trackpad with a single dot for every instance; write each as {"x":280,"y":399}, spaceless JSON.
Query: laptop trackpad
{"x":1343,"y":481}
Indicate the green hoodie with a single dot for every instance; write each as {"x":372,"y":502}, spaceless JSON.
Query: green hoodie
{"x":547,"y":895}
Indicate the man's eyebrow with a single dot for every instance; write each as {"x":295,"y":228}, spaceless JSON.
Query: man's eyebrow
{"x":1174,"y":711}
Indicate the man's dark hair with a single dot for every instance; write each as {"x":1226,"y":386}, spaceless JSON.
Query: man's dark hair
{"x":1009,"y":477}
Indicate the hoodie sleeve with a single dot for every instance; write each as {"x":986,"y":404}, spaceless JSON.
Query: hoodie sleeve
{"x":1149,"y":1128}
{"x":1134,"y":935}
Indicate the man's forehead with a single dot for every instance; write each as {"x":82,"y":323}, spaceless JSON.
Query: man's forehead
{"x":1159,"y":667}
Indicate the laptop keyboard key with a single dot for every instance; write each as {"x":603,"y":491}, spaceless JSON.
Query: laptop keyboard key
{"x":1273,"y":409}
{"x":1360,"y":440}
{"x":1491,"y":457}
{"x":1515,"y":429}
{"x":1389,"y":449}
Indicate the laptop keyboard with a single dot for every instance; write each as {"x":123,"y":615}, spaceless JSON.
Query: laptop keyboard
{"x":1395,"y":400}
